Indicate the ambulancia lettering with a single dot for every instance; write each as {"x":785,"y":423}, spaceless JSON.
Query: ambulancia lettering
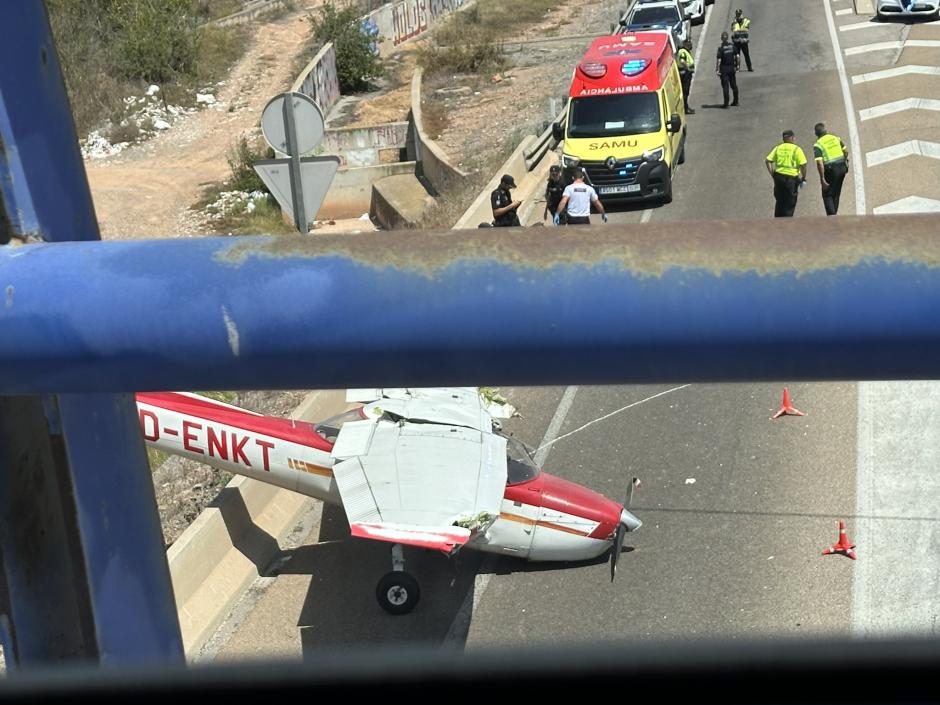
{"x":610,"y":90}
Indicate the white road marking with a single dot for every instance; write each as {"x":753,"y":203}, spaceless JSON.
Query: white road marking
{"x":920,"y":148}
{"x":898,"y":106}
{"x":857,"y":25}
{"x":845,"y":11}
{"x":896,"y":589}
{"x":883,"y":46}
{"x":545,"y":444}
{"x":854,"y":140}
{"x":561,"y":413}
{"x":909,"y":204}
{"x":896,"y":72}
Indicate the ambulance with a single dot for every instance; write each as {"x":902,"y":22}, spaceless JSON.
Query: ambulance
{"x":624,"y":122}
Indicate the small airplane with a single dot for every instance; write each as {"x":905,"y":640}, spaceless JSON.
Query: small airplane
{"x":420,"y":467}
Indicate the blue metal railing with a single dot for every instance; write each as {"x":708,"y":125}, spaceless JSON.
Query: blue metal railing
{"x":83,"y":323}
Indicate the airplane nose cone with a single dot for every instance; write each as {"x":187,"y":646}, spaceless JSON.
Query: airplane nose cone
{"x":629,"y":520}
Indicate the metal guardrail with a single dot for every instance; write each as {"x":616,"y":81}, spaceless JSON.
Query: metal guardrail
{"x":546,"y":142}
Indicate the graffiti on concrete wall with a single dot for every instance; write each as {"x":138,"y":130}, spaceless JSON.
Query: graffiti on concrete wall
{"x":322,"y":83}
{"x":412,"y":17}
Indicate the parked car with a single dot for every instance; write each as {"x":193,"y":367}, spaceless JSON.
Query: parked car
{"x":907,"y":8}
{"x":655,"y":15}
{"x":694,"y":9}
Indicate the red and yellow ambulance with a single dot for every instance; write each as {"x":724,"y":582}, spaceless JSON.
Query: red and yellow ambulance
{"x":625,"y":116}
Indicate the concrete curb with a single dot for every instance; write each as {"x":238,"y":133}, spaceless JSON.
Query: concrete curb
{"x":863,"y":7}
{"x":232,"y":541}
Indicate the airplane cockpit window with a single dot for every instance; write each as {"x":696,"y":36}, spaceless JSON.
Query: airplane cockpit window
{"x":520,"y":465}
{"x":329,"y":429}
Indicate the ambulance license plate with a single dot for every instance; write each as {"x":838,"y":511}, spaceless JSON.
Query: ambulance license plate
{"x":632,"y":188}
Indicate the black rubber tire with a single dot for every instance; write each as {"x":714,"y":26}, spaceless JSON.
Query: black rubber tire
{"x":681,"y":159}
{"x":668,"y":197}
{"x":397,"y":592}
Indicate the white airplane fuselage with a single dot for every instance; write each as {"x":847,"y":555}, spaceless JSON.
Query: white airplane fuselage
{"x":543,"y":519}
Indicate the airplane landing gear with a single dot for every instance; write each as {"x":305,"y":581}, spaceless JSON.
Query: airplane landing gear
{"x":397,"y":592}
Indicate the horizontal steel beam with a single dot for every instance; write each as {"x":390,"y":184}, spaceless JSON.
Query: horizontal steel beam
{"x":815,"y":298}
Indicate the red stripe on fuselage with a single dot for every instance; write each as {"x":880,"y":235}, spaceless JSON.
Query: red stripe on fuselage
{"x":561,"y":495}
{"x":301,"y":432}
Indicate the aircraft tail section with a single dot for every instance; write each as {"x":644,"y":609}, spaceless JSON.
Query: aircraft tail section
{"x":282,"y":452}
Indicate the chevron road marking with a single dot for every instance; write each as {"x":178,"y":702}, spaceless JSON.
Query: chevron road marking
{"x":895,"y":72}
{"x":898,"y":106}
{"x":881,"y":46}
{"x":901,"y":150}
{"x":844,"y":11}
{"x":909,"y":204}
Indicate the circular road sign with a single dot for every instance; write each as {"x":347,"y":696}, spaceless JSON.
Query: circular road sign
{"x":308,"y":123}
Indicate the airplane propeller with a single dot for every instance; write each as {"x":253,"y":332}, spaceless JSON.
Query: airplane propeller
{"x":628,"y":522}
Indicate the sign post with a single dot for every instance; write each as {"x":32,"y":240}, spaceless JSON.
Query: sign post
{"x":293,"y":125}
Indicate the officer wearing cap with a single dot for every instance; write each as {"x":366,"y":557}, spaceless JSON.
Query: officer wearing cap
{"x":553,"y":192}
{"x":741,"y":36}
{"x":727,"y":62}
{"x":786,"y":164}
{"x":832,"y":163}
{"x":504,"y":208}
{"x":686,"y":70}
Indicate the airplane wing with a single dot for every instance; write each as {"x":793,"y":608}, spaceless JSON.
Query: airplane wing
{"x":421,"y":484}
{"x":458,"y":406}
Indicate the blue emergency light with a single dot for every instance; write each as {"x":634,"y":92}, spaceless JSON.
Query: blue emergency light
{"x":634,"y":67}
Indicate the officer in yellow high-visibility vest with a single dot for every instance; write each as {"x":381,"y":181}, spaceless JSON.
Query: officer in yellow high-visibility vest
{"x":786,"y":164}
{"x":832,"y":163}
{"x":686,"y":70}
{"x":741,"y":36}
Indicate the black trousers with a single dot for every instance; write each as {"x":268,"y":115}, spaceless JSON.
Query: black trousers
{"x":579,"y":220}
{"x":686,"y":79}
{"x":729,"y":79}
{"x":786,"y":189}
{"x":743,"y":47}
{"x":835,"y":175}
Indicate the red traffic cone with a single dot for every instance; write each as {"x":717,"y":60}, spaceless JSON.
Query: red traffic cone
{"x":843,"y":546}
{"x":787,"y":407}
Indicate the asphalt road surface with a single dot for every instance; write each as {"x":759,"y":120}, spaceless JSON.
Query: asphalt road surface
{"x":737,"y":508}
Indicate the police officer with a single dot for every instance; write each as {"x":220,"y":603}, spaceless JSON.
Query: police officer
{"x":578,"y":198}
{"x":726,"y":65}
{"x":686,"y":70}
{"x":832,"y":163}
{"x":504,"y":208}
{"x":741,"y":36}
{"x":786,"y":164}
{"x":554,"y":190}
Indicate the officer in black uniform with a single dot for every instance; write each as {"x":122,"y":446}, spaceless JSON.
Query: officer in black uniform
{"x":504,"y":208}
{"x":726,"y":65}
{"x":553,"y":192}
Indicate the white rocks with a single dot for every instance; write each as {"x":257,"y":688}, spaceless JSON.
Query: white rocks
{"x":206,"y":98}
{"x":153,"y":90}
{"x":160,"y":124}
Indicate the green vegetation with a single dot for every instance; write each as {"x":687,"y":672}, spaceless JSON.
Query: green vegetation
{"x":110,"y":49}
{"x":356,"y":65}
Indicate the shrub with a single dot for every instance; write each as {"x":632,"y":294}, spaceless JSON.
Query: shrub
{"x":356,"y":62}
{"x":156,"y":40}
{"x":240,"y":160}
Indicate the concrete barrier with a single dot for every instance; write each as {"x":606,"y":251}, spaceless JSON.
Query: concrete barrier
{"x":481,"y":210}
{"x":233,"y":540}
{"x":319,"y":80}
{"x":250,"y":12}
{"x":433,"y":164}
{"x":864,"y":7}
{"x":350,"y":194}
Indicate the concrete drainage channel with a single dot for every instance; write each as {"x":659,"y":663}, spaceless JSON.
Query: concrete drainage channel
{"x":234,"y":540}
